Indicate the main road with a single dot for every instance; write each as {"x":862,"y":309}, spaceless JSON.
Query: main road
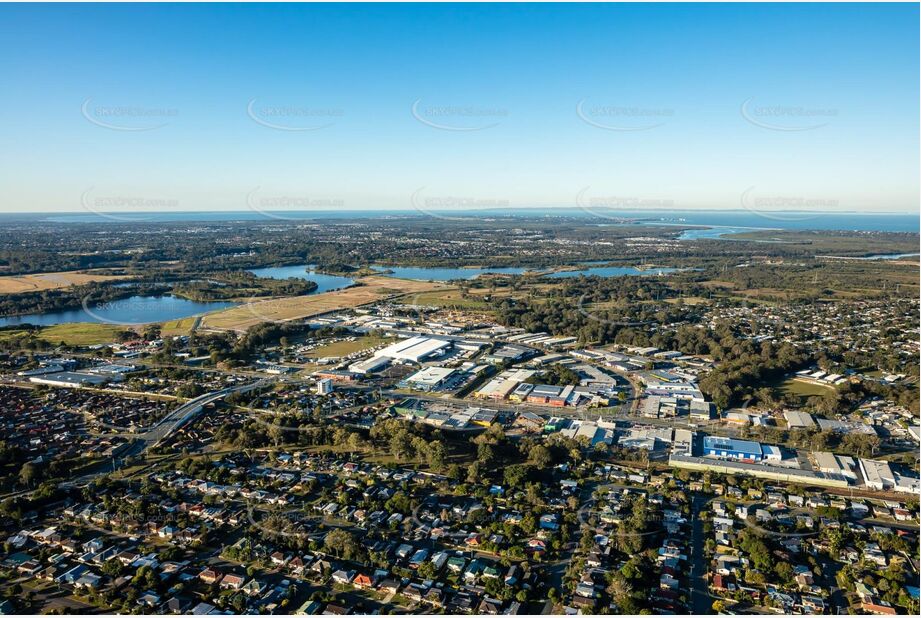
{"x":165,"y":428}
{"x":190,"y":410}
{"x":700,"y":601}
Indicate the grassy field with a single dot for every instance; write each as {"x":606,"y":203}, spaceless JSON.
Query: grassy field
{"x":448,"y":298}
{"x":50,"y":281}
{"x":344,"y":348}
{"x":182,"y":326}
{"x":688,"y":300}
{"x":298,"y":307}
{"x":305,"y":369}
{"x":12,"y":335}
{"x":81,"y":333}
{"x":803,"y":389}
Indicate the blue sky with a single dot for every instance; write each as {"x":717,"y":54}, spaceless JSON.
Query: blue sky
{"x":692,"y":106}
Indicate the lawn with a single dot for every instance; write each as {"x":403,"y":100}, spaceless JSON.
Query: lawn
{"x":688,"y":300}
{"x":80,"y":333}
{"x":344,"y":348}
{"x":448,"y":298}
{"x":803,"y":389}
{"x":182,"y":326}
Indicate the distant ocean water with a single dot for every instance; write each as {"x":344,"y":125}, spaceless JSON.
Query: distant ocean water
{"x":843,"y":221}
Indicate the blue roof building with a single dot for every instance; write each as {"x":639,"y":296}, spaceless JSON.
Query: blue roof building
{"x":729,"y":448}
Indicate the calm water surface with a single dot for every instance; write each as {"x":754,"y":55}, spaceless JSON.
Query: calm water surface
{"x":128,"y":311}
{"x":325,"y":283}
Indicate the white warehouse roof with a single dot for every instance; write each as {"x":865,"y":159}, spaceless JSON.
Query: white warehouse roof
{"x":414,"y":349}
{"x":431,"y":375}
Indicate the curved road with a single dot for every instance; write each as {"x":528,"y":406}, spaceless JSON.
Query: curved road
{"x":166,"y":427}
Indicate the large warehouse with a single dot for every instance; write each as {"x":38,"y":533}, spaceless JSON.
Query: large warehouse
{"x":415,"y":349}
{"x":729,"y":448}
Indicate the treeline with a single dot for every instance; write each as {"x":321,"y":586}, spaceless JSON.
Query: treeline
{"x":744,"y":366}
{"x":597,"y":309}
{"x":231,"y":348}
{"x":73,"y":297}
{"x":270,"y":333}
{"x":812,"y":280}
{"x":214,"y":246}
{"x":237,"y":284}
{"x":229,"y":285}
{"x":556,"y":374}
{"x":39,"y":260}
{"x":614,"y":311}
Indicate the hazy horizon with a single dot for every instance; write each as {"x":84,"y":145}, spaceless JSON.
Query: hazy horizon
{"x":511,"y":208}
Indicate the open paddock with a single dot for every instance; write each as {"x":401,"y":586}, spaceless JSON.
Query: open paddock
{"x":368,"y":290}
{"x":80,"y":333}
{"x":18,"y":284}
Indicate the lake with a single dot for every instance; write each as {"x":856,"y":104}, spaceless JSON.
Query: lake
{"x":889,"y":256}
{"x":325,"y":283}
{"x":713,"y":233}
{"x":129,"y":311}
